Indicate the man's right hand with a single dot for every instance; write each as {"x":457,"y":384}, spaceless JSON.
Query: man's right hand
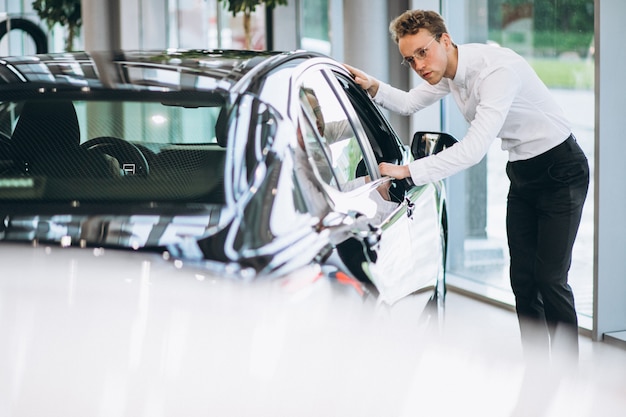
{"x":398,"y":172}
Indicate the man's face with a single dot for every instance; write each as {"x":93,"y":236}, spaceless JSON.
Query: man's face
{"x":425,"y":54}
{"x":317,"y":111}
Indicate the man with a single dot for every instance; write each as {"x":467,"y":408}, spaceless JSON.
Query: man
{"x":501,"y":96}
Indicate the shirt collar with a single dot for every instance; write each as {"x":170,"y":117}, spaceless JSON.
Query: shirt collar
{"x":461,"y":68}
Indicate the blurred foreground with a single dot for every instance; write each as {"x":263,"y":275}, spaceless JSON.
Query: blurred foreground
{"x":285,"y":348}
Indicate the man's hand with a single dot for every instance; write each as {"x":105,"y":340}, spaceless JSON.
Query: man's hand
{"x":383,"y":190}
{"x":370,"y":84}
{"x":395,"y":171}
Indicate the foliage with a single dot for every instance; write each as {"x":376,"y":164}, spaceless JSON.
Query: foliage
{"x":549,"y":15}
{"x":249,"y":6}
{"x":558,"y":26}
{"x":62,"y":12}
{"x":565,"y":15}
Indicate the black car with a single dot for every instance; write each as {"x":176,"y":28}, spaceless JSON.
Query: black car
{"x":253,"y":164}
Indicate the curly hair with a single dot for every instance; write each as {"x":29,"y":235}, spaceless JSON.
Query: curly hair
{"x":411,"y":21}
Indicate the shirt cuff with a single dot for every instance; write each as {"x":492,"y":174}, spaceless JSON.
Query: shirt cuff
{"x":382,"y":93}
{"x":419,"y":173}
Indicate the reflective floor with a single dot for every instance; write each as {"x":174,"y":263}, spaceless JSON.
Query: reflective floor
{"x":486,"y":374}
{"x":233,"y":353}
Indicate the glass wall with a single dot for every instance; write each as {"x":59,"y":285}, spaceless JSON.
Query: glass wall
{"x":209,"y":24}
{"x":190,"y":24}
{"x":556,"y":37}
{"x":315,"y":26}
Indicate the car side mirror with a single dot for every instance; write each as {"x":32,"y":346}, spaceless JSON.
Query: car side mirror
{"x":430,"y":143}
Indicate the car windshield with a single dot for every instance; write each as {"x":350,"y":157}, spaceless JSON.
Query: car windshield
{"x":153,"y":149}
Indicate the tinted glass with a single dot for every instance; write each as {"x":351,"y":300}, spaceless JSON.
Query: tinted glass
{"x":110,"y":151}
{"x":328,"y":134}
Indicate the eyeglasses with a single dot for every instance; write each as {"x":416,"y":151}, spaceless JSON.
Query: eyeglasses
{"x":419,"y":55}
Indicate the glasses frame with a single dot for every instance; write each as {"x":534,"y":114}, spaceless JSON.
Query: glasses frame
{"x":419,"y":55}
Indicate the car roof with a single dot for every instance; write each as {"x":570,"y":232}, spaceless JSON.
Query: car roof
{"x":165,"y":70}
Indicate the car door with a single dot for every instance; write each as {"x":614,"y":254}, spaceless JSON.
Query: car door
{"x":410,"y":252}
{"x":401,"y":251}
{"x":338,"y":160}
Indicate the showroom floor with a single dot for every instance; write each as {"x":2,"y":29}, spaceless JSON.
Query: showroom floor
{"x":485,"y":341}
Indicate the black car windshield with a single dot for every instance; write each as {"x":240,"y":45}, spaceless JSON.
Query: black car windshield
{"x":147,"y":148}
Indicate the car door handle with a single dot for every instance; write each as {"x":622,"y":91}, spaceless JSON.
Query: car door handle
{"x":410,"y":207}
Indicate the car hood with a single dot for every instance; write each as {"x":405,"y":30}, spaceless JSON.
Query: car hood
{"x":92,"y":331}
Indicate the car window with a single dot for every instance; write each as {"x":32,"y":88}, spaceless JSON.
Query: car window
{"x":328,"y":135}
{"x":137,"y":149}
{"x":382,"y":138}
{"x":152,"y":122}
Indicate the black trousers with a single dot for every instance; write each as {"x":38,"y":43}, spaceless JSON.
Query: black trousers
{"x":544,"y":209}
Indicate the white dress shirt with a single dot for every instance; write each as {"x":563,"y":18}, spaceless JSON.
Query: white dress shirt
{"x":500,"y":95}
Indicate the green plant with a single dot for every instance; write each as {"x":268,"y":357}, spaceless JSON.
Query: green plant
{"x":62,"y":12}
{"x":247,"y":7}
